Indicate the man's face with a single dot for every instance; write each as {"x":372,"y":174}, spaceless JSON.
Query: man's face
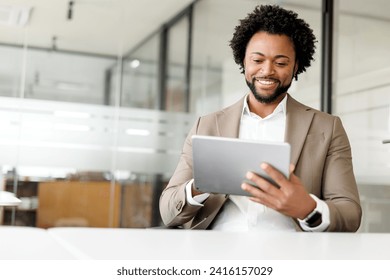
{"x":270,"y":66}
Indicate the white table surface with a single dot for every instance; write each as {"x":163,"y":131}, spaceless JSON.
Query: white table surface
{"x":28,"y":243}
{"x":166,"y":244}
{"x":160,"y":244}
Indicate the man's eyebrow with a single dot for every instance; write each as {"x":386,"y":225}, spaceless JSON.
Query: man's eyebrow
{"x":259,"y":53}
{"x":277,"y":56}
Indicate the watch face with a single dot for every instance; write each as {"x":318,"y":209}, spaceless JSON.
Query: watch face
{"x":315,"y":219}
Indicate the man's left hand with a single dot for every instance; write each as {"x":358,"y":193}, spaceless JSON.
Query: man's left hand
{"x":289,"y":198}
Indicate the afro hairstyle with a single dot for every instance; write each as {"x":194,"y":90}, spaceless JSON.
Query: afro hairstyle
{"x":275,"y":20}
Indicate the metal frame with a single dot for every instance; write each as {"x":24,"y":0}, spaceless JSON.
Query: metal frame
{"x":327,"y":56}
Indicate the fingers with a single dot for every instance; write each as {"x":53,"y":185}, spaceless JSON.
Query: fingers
{"x":262,"y":185}
{"x":258,"y":195}
{"x":254,"y":191}
{"x":278,"y":177}
{"x":287,"y":199}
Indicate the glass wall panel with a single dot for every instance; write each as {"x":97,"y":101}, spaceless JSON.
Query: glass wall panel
{"x":10,"y":70}
{"x":215,"y":78}
{"x":54,"y":75}
{"x":12,"y":67}
{"x":57,"y":140}
{"x":140,"y":75}
{"x":81,"y":141}
{"x":361,"y":98}
{"x":177,"y":51}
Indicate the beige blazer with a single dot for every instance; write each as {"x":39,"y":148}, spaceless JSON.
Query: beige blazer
{"x":320,"y":151}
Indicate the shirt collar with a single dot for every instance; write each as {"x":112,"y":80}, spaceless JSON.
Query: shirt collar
{"x":281,"y":108}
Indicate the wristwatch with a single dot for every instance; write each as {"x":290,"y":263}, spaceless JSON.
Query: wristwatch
{"x":314,"y":218}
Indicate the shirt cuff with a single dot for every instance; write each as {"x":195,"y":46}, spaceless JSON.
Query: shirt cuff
{"x":197,"y":200}
{"x":323,"y":208}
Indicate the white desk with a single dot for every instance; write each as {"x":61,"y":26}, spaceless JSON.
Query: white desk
{"x":163,"y":244}
{"x":160,"y":244}
{"x":28,"y":243}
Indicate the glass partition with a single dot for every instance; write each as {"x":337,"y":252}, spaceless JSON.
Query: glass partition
{"x":71,"y":77}
{"x":177,"y":53}
{"x":81,"y":141}
{"x":12,"y":71}
{"x":54,"y":143}
{"x":140,"y":75}
{"x":81,"y":158}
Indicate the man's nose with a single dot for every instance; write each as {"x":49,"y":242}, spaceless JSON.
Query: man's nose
{"x":267,"y":68}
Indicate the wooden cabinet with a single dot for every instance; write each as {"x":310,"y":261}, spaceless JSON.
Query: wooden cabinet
{"x":137,"y":205}
{"x":78,"y":203}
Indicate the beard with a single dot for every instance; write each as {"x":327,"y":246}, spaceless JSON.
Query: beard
{"x":280,"y":90}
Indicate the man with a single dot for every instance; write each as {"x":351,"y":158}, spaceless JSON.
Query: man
{"x":272,"y":46}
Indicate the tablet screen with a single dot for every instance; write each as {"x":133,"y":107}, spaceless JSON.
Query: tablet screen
{"x":220,"y":164}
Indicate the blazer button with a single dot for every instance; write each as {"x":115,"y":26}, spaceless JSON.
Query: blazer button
{"x":179,"y":205}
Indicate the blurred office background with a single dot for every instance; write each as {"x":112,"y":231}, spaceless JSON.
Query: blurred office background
{"x":97,"y":96}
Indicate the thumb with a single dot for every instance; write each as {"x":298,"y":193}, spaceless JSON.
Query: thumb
{"x":293,"y":178}
{"x":292,"y":168}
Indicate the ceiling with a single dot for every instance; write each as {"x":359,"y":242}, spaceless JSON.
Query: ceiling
{"x":113,"y":27}
{"x":104,"y":27}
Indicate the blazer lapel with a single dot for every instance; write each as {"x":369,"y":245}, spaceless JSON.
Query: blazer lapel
{"x":228,"y":120}
{"x":298,"y":121}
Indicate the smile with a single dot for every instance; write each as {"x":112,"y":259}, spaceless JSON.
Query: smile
{"x":266,"y":81}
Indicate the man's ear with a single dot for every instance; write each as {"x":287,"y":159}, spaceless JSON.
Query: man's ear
{"x":296,"y":67}
{"x":295,"y":70}
{"x":243,"y":66}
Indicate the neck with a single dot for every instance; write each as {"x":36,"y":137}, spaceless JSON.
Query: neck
{"x":263,"y":109}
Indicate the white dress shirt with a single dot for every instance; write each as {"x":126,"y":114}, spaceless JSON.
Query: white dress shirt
{"x":241,"y":214}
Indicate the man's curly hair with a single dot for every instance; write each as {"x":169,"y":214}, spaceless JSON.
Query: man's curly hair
{"x":275,"y":20}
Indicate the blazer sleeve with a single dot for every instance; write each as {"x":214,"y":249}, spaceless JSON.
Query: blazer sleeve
{"x":174,"y":208}
{"x":326,"y":170}
{"x":339,"y":185}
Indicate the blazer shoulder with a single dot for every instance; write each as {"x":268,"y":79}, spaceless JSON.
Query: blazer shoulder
{"x":237,"y":106}
{"x":296,"y":105}
{"x":224,"y":122}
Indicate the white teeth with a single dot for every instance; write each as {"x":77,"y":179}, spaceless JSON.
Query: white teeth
{"x":266,"y":82}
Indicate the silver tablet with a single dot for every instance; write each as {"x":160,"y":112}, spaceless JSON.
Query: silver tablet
{"x":220,"y":164}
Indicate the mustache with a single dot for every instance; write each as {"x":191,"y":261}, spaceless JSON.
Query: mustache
{"x":264,"y":78}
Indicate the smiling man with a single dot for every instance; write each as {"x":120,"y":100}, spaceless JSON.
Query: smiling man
{"x":272,"y":46}
{"x":270,"y":66}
